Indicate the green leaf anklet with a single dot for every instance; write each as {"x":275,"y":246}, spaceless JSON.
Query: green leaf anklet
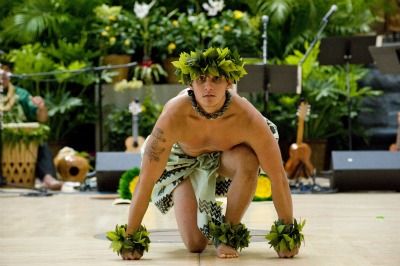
{"x":236,"y":236}
{"x":121,"y":241}
{"x":283,"y":237}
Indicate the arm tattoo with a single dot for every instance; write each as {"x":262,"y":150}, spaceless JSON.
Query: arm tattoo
{"x":153,"y":149}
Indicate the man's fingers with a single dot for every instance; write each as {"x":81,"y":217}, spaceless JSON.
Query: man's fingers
{"x":131,"y":255}
{"x":288,"y":254}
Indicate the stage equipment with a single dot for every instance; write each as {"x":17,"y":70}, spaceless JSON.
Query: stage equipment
{"x":269,"y":78}
{"x":387,"y":58}
{"x":365,"y":170}
{"x":277,"y":78}
{"x":111,"y":165}
{"x":346,"y":51}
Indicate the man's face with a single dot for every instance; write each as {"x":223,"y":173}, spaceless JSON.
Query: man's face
{"x":210,"y":83}
{"x":210,"y":90}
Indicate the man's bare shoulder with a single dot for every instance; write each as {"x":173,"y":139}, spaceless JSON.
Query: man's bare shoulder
{"x":177,"y":105}
{"x":244,"y":107}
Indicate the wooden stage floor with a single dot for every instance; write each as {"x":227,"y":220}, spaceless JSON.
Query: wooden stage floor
{"x":68,"y":229}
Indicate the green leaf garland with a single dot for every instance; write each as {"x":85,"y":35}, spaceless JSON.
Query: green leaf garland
{"x":121,"y":241}
{"x":283,"y":237}
{"x":212,"y":61}
{"x":13,"y":136}
{"x":236,"y":236}
{"x":125,"y":181}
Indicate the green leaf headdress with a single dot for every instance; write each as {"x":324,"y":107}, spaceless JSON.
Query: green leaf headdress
{"x":212,"y":61}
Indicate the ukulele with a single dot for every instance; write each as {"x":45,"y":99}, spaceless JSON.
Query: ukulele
{"x":299,"y":164}
{"x":134,"y":143}
{"x":396,"y":146}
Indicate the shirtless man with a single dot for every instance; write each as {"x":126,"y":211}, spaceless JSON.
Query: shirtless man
{"x":208,"y":124}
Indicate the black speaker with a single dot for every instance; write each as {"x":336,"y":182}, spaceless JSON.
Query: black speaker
{"x":111,"y":165}
{"x":365,"y":170}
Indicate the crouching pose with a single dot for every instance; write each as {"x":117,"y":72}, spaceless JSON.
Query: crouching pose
{"x":209,"y":141}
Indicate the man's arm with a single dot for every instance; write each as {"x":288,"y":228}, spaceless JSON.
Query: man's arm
{"x":269,"y":156}
{"x":268,"y":153}
{"x":157,"y":149}
{"x":41,"y":113}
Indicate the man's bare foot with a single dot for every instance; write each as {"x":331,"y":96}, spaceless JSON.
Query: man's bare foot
{"x":51,"y":183}
{"x":226,"y":252}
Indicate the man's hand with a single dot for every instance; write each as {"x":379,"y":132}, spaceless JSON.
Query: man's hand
{"x":41,"y":115}
{"x":38,"y":101}
{"x":287,"y":253}
{"x":129,"y":255}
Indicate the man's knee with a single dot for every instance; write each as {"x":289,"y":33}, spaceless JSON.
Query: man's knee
{"x":196,"y":244}
{"x":247,"y":161}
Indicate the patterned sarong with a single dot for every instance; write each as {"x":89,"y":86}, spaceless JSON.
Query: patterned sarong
{"x":207,"y":184}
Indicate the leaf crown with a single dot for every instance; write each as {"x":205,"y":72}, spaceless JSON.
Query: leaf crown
{"x":211,"y":61}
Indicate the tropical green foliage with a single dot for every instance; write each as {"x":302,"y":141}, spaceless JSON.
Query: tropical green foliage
{"x":325,"y":89}
{"x":72,"y":35}
{"x":119,"y":122}
{"x":115,"y":30}
{"x":293,"y":22}
{"x":47,"y":21}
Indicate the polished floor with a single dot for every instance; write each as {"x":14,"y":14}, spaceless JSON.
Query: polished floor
{"x":68,"y":229}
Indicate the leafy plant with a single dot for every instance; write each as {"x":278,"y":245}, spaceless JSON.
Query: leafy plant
{"x":236,"y":30}
{"x":292,"y":23}
{"x":119,"y":122}
{"x":47,"y":21}
{"x":115,"y":30}
{"x":60,"y":104}
{"x":56,"y":85}
{"x":149,"y":72}
{"x":324,"y":88}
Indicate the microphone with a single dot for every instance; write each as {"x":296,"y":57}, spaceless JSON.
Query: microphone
{"x":330,"y":12}
{"x":265,"y":19}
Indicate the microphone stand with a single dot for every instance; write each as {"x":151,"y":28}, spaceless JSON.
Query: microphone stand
{"x":317,"y":188}
{"x":324,"y":22}
{"x":265,"y":54}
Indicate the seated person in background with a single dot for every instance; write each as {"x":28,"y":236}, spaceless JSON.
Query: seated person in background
{"x":21,"y":106}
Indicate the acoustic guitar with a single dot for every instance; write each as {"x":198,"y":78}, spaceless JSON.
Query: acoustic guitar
{"x":396,"y":146}
{"x":135,"y":142}
{"x":299,"y":164}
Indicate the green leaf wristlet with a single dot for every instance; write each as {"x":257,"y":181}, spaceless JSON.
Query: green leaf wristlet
{"x":236,"y":236}
{"x":283,"y":237}
{"x":138,"y":241}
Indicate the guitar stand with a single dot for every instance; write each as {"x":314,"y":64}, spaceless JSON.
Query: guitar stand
{"x":312,"y":187}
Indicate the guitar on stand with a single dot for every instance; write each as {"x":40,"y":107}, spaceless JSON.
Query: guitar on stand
{"x":135,"y":142}
{"x":299,"y":164}
{"x":395,"y":147}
